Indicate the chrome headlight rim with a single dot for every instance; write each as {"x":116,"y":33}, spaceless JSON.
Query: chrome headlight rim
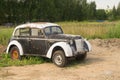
{"x":71,"y":42}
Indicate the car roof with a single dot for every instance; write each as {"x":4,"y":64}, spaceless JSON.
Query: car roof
{"x":40,"y":25}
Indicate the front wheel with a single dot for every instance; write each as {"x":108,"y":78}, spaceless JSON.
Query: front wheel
{"x":59,"y":58}
{"x":14,"y":53}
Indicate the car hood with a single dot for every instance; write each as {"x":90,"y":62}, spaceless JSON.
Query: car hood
{"x":64,"y":36}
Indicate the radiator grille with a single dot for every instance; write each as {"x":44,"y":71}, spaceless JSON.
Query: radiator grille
{"x":79,"y":45}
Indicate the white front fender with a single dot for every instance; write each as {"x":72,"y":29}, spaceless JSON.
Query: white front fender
{"x":17,"y":44}
{"x":88,"y":44}
{"x":65,"y":46}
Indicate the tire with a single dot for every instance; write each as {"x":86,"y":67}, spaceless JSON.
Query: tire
{"x":14,"y":53}
{"x":81,"y":56}
{"x":59,"y":58}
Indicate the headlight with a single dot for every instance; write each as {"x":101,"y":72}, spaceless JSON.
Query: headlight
{"x":71,"y":42}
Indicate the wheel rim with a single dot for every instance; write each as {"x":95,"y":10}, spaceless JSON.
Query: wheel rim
{"x":58,"y":60}
{"x":15,"y":54}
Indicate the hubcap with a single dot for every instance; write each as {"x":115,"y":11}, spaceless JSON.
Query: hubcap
{"x":14,"y":54}
{"x":58,"y":60}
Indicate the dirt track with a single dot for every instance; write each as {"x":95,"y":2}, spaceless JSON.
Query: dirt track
{"x":102,"y":63}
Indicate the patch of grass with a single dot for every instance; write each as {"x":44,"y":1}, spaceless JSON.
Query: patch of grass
{"x":6,"y":61}
{"x":5,"y":34}
{"x":90,"y":30}
{"x":114,"y":32}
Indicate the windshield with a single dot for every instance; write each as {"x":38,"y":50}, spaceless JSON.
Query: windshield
{"x":53,"y":30}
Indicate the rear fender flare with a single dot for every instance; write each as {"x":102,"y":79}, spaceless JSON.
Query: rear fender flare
{"x":17,"y":44}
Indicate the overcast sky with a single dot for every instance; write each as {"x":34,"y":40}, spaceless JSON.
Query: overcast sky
{"x":103,"y":4}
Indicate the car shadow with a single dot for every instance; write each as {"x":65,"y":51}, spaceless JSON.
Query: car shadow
{"x":75,"y":63}
{"x":72,"y":62}
{"x":87,"y":61}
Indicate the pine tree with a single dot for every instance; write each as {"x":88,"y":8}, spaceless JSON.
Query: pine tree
{"x":114,"y":13}
{"x":118,"y":11}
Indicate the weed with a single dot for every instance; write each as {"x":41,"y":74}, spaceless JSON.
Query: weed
{"x":7,"y":61}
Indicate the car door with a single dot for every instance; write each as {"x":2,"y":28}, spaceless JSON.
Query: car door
{"x":37,"y":42}
{"x":23,"y":39}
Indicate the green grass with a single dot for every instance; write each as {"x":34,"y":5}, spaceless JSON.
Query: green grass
{"x":92,"y":30}
{"x":114,"y":32}
{"x":6,"y":61}
{"x":5,"y":34}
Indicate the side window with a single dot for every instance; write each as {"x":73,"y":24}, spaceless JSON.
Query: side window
{"x":53,"y":30}
{"x":56,"y":30}
{"x":36,"y":32}
{"x":25,"y":32}
{"x":47,"y":31}
{"x":17,"y":33}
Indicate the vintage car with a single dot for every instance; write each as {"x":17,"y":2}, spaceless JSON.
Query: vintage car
{"x":47,"y":40}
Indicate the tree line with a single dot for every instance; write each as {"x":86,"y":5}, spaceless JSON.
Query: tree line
{"x":115,"y":13}
{"x":21,"y":11}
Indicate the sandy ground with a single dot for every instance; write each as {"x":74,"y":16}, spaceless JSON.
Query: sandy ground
{"x":102,"y":63}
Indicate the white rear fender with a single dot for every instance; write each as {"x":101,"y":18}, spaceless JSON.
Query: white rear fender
{"x":65,"y":46}
{"x":17,"y":44}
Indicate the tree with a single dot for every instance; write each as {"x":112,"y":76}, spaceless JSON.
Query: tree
{"x":21,"y":11}
{"x":101,"y":14}
{"x":2,"y":15}
{"x":84,"y":7}
{"x":118,"y":11}
{"x":114,"y":13}
{"x":91,"y":12}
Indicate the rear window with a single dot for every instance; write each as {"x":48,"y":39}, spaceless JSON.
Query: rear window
{"x":17,"y":32}
{"x":25,"y":32}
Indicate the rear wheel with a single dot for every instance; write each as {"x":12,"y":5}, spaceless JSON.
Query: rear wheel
{"x":14,"y":53}
{"x":59,"y":58}
{"x":81,"y":56}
